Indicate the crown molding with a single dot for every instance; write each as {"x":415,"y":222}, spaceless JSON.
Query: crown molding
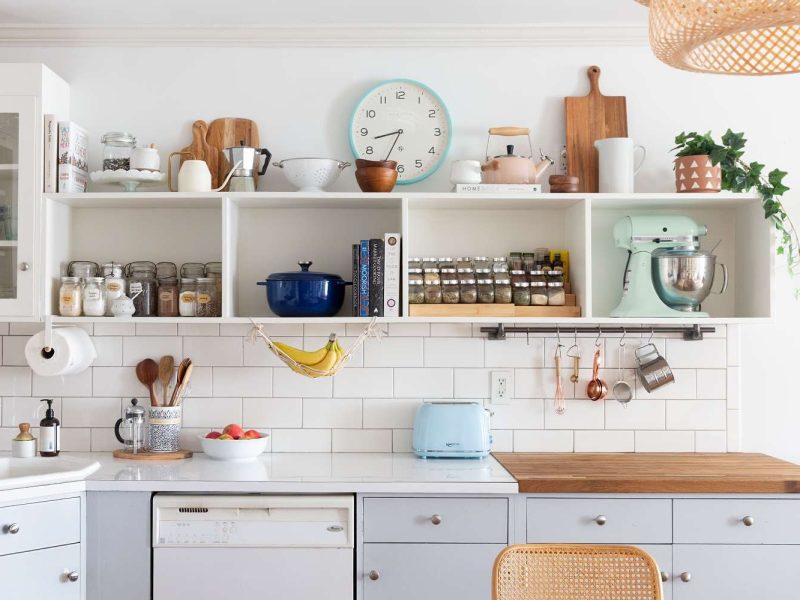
{"x":344,"y":36}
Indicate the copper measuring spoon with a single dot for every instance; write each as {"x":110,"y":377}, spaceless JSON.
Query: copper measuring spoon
{"x":597,"y":388}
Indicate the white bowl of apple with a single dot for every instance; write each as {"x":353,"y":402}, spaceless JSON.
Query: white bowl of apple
{"x":234,"y":443}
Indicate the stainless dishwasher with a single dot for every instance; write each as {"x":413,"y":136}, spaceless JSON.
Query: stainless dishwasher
{"x":217,"y":546}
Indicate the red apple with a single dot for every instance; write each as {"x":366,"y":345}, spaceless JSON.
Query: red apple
{"x":251,"y":434}
{"x":213,"y":435}
{"x":233,"y":430}
{"x":224,"y":436}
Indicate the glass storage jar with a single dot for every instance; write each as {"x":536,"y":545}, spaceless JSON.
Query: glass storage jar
{"x":537,"y":276}
{"x":430,"y":262}
{"x":528,"y":261}
{"x":538,"y":293}
{"x":502,"y":291}
{"x":205,"y":304}
{"x":114,"y":284}
{"x":451,"y":294}
{"x":499,"y":264}
{"x":431,"y":275}
{"x":555,"y":277}
{"x":193,"y":270}
{"x":446,"y":262}
{"x":143,"y":288}
{"x":522,"y":293}
{"x":433,"y":291}
{"x":555,"y":294}
{"x":187,"y":297}
{"x":517,"y":276}
{"x":469,"y":290}
{"x":82,"y":269}
{"x":166,"y":269}
{"x":448,"y":273}
{"x":515,"y":261}
{"x":415,"y":276}
{"x":94,"y":298}
{"x":485,"y":291}
{"x":117,"y":149}
{"x":464,"y":264}
{"x":168,"y":293}
{"x":481,"y":264}
{"x":416,"y":292}
{"x":214,"y":271}
{"x":70,"y":297}
{"x":414,"y":263}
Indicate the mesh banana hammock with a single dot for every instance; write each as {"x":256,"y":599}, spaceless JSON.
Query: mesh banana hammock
{"x":342,"y":356}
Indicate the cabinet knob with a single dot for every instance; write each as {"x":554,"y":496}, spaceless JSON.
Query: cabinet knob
{"x":13,"y":529}
{"x":436,"y":519}
{"x":748,"y":521}
{"x":601,"y":520}
{"x":664,"y":576}
{"x":73,"y":576}
{"x":686,"y":577}
{"x":374,"y":575}
{"x":24,"y":266}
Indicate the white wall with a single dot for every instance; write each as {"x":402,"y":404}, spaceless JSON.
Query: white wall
{"x":302,"y":99}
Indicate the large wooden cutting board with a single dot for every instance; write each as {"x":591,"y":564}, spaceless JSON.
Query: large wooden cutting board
{"x":589,"y":118}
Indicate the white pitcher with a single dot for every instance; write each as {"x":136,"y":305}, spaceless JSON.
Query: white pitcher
{"x":616,"y":164}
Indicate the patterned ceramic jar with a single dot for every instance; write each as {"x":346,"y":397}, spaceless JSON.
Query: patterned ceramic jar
{"x":164,"y":428}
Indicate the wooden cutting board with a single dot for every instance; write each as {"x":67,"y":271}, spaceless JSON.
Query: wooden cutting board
{"x":226,"y":132}
{"x":590,"y":118}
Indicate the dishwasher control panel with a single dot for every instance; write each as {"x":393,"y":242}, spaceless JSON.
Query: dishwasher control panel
{"x":178,"y":533}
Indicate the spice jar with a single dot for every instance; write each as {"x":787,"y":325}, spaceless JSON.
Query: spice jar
{"x":431,"y":275}
{"x":94,"y":298}
{"x":499,"y":264}
{"x":451,"y":294}
{"x":464,"y":264}
{"x":555,"y":277}
{"x":515,"y":261}
{"x":537,"y":276}
{"x":555,"y":293}
{"x":168,"y":293}
{"x":517,"y":276}
{"x":528,"y":261}
{"x":205,"y":304}
{"x":415,"y":276}
{"x":522,"y":293}
{"x":481,"y":264}
{"x":193,"y":270}
{"x":469,"y":290}
{"x":187,"y":297}
{"x":485,"y":291}
{"x":538,"y":293}
{"x":502,"y":291}
{"x":430,"y":263}
{"x":448,"y":273}
{"x":414,"y":263}
{"x":69,"y":297}
{"x":82,"y":269}
{"x":165,"y":270}
{"x":214,"y":271}
{"x":117,"y":149}
{"x":416,"y":292}
{"x":143,"y":288}
{"x":446,"y":262}
{"x":433,"y":291}
{"x":114,"y":284}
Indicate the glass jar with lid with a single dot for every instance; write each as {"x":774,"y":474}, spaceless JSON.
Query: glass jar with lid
{"x":539,"y":293}
{"x":83,"y":269}
{"x":486,"y":291}
{"x":516,"y":276}
{"x":117,"y":149}
{"x":515,"y":261}
{"x":214,"y":271}
{"x":555,"y":277}
{"x":94,"y":298}
{"x":430,"y":262}
{"x":433,"y":291}
{"x":166,"y":269}
{"x":469,"y":290}
{"x":113,"y":283}
{"x":522,"y":293}
{"x":528,"y":261}
{"x":416,"y":292}
{"x":451,"y":293}
{"x":448,"y":273}
{"x":464,"y":264}
{"x":431,"y":275}
{"x":415,"y":276}
{"x":502,"y":291}
{"x":499,"y":264}
{"x":193,"y":270}
{"x":481,"y":264}
{"x":168,"y":293}
{"x":446,"y":262}
{"x":537,"y":276}
{"x":142,"y":288}
{"x":187,"y":297}
{"x":205,"y":304}
{"x":414,"y":263}
{"x":555,"y":293}
{"x":70,"y":297}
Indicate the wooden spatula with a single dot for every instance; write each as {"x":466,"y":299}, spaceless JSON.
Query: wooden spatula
{"x":590,"y":118}
{"x":165,"y":366}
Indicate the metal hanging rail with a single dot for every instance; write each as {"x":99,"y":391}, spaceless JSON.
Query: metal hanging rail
{"x":690,"y":332}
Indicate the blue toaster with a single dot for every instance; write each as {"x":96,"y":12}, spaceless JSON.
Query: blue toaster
{"x":452,"y":430}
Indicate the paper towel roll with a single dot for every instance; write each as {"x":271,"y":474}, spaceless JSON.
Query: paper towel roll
{"x":71,"y":351}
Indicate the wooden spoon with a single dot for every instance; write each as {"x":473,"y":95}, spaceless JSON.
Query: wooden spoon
{"x":165,"y":366}
{"x":183,"y":385}
{"x":147,"y":373}
{"x":182,"y":369}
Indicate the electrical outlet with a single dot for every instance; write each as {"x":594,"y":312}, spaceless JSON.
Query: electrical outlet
{"x":502,"y":387}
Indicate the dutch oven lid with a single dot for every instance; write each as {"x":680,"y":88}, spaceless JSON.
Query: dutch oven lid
{"x":303,"y":274}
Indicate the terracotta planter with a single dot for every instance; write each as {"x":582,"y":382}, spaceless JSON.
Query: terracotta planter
{"x":696,"y":174}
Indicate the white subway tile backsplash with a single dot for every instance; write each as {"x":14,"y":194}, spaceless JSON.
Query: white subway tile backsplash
{"x":90,"y":412}
{"x":543,"y":441}
{"x":709,"y":353}
{"x":211,"y":412}
{"x":109,"y":351}
{"x":541,"y":383}
{"x":362,"y":440}
{"x":521,"y":413}
{"x":710,"y":441}
{"x":79,"y":384}
{"x":118,"y":381}
{"x":353,"y":382}
{"x":453,"y":352}
{"x":696,"y":414}
{"x":301,"y":440}
{"x":734,"y":428}
{"x":734,"y":341}
{"x":201,"y":329}
{"x":293,"y":385}
{"x":580,"y":414}
{"x":214,"y":351}
{"x":734,"y":387}
{"x":637,"y":414}
{"x":104,"y":440}
{"x":135,"y":349}
{"x":200,"y":385}
{"x":664,"y":441}
{"x":604,"y":441}
{"x":451,"y":330}
{"x":711,"y":384}
{"x":323,"y":329}
{"x":390,"y":413}
{"x":401,"y":440}
{"x":14,"y":350}
{"x":114,"y":327}
{"x":15,"y":381}
{"x":474,"y":383}
{"x":683,"y":388}
{"x":257,"y":354}
{"x":170,"y":329}
{"x":409,"y":329}
{"x":502,"y":440}
{"x":241,"y":382}
{"x":356,"y":329}
{"x":272,"y":412}
{"x":25,"y":409}
{"x":26,"y":329}
{"x":515,"y":353}
{"x":393,"y":352}
{"x":330,"y":413}
{"x":423,"y":383}
{"x":76,"y":439}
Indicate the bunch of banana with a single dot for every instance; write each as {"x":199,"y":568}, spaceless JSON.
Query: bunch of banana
{"x":320,"y":362}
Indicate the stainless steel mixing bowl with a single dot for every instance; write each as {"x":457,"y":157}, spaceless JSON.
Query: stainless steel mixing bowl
{"x":683,"y":277}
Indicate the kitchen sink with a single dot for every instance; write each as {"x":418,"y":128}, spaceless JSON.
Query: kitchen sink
{"x":28,"y":472}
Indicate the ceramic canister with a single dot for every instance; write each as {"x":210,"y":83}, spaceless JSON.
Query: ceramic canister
{"x":164,"y":428}
{"x":145,"y":159}
{"x":616,"y":164}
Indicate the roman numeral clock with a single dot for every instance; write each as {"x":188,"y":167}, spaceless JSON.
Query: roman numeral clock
{"x":405,"y":121}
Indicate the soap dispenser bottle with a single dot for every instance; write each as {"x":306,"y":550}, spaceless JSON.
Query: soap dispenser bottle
{"x":49,"y":432}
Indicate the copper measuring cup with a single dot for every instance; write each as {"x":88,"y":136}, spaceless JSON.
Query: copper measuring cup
{"x":597,"y":388}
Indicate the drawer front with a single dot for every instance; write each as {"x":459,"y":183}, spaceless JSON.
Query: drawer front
{"x":737,"y":521}
{"x":43,"y":574}
{"x":598,"y":521}
{"x":437,"y":520}
{"x":27,"y":527}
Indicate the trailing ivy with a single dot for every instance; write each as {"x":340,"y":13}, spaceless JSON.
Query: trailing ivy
{"x":741,"y":176}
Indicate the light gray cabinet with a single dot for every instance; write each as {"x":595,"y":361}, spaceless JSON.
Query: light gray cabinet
{"x":25,"y":527}
{"x":52,"y":574}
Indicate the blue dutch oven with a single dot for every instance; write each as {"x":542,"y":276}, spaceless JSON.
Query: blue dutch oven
{"x":305,"y":293}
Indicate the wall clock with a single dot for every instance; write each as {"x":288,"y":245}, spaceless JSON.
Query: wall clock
{"x":405,"y":120}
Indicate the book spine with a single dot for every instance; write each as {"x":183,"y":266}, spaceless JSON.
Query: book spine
{"x":50,"y":154}
{"x":356,"y":277}
{"x":73,"y":170}
{"x":363,"y":279}
{"x":391,"y":275}
{"x":376,"y":278}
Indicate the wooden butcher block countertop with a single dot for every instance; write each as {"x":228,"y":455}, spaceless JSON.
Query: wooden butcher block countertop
{"x":732,"y":473}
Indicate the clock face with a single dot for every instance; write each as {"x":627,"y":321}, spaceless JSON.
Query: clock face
{"x":405,"y":120}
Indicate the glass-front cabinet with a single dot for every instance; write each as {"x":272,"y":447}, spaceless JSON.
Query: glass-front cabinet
{"x":17,"y":204}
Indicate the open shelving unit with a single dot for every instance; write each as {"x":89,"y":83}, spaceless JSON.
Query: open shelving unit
{"x":255,"y":234}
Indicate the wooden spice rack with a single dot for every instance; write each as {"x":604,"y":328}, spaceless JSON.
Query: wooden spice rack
{"x":570,"y":309}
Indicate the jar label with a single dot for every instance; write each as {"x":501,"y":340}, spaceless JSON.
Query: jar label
{"x":166,"y":296}
{"x":187,"y":297}
{"x":66,"y":298}
{"x":93,"y":295}
{"x":135,"y":286}
{"x":115,"y":286}
{"x":203,"y":298}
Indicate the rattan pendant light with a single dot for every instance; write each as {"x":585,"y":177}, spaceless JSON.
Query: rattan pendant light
{"x":736,"y":37}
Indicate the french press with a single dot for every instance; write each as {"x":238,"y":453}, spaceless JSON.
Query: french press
{"x":129,"y":429}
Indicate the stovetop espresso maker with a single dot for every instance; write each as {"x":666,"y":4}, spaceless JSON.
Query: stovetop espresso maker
{"x":243,"y":178}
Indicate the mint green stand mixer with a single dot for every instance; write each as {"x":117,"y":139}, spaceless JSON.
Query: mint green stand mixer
{"x":641,"y":236}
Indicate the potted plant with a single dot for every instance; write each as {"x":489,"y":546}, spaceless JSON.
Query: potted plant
{"x":736,"y":175}
{"x":695,"y":170}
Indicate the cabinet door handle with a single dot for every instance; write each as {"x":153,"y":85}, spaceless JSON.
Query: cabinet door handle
{"x":13,"y":528}
{"x":664,"y":576}
{"x":73,"y":576}
{"x":686,"y":577}
{"x":436,"y":519}
{"x":23,"y":266}
{"x":748,"y":521}
{"x":374,"y":575}
{"x":601,"y":520}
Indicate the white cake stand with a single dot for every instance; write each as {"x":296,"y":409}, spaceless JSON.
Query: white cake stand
{"x":129,"y":180}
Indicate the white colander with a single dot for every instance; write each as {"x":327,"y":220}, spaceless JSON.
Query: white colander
{"x":311,"y":174}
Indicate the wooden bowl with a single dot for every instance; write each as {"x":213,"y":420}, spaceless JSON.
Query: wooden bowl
{"x":376,"y":175}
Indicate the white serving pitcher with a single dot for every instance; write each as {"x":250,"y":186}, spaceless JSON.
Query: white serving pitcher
{"x":616,"y":164}
{"x":194,"y":175}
